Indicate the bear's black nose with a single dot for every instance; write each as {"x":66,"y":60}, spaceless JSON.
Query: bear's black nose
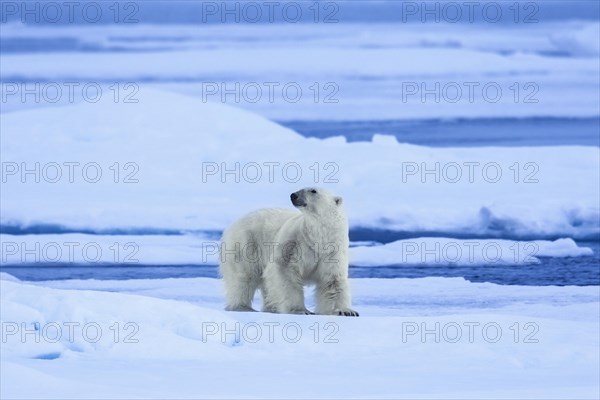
{"x":293,"y":196}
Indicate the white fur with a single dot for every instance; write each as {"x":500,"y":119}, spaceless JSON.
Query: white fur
{"x":279,"y":251}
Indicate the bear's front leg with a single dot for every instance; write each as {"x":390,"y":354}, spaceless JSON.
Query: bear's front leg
{"x":285,"y":289}
{"x":333,"y":297}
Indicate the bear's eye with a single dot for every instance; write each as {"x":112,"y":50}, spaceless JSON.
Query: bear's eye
{"x":313,"y":191}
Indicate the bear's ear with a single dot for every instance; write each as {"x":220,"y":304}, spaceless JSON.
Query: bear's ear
{"x":338,"y":200}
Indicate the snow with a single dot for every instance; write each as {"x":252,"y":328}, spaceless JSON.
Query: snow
{"x":581,"y":42}
{"x":107,"y":165}
{"x":201,"y":249}
{"x":448,"y":251}
{"x":178,"y":348}
{"x":554,"y":66}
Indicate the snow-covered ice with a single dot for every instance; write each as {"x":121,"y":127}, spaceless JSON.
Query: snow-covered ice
{"x":200,"y":166}
{"x":415,"y":338}
{"x":363,"y":71}
{"x":202,"y":249}
{"x":448,"y":251}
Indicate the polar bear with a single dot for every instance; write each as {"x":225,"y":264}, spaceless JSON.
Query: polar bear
{"x":279,"y":251}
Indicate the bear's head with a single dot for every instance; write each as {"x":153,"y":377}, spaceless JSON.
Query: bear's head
{"x":316,"y":201}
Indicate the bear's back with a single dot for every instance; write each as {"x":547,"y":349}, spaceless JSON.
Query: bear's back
{"x":259,"y":226}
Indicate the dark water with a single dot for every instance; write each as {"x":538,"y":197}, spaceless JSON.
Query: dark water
{"x":462,"y":132}
{"x":551,"y":271}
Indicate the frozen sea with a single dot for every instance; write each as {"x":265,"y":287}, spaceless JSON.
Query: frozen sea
{"x":519,"y":322}
{"x":367,"y":101}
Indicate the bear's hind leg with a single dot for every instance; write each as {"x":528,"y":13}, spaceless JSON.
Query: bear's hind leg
{"x":240,"y":285}
{"x":240,"y":293}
